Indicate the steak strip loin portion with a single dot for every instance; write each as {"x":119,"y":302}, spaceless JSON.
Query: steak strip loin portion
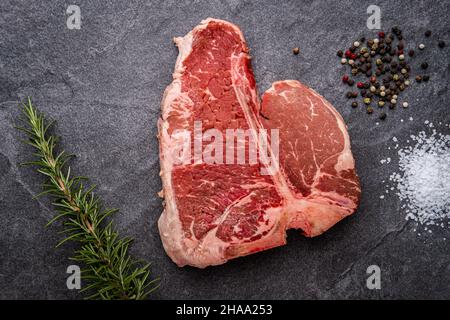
{"x":216,"y":212}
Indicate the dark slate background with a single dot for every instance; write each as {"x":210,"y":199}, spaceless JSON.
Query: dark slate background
{"x":103,"y":84}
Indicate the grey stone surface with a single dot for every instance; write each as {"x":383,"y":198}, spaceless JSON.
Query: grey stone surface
{"x":103,"y":85}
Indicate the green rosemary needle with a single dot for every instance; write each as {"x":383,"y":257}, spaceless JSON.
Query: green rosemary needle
{"x":110,"y":273}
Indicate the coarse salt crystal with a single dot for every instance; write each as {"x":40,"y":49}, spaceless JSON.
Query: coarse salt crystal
{"x":423,"y":180}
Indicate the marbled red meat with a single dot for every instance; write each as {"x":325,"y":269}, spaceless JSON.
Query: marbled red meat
{"x":216,"y":212}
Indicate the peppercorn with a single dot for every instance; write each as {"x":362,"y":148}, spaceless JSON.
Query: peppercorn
{"x":373,"y":53}
{"x":378,"y":72}
{"x":418,"y":78}
{"x":403,"y":71}
{"x":401,"y":57}
{"x":382,"y":93}
{"x":421,"y":46}
{"x":360,"y":85}
{"x":407,"y":83}
{"x":369,"y":95}
{"x":426,"y":78}
{"x":366,"y":86}
{"x":297,"y":50}
{"x":396,"y":30}
{"x":354,"y":104}
{"x":363,"y":93}
{"x":402,"y":87}
{"x":369,"y":110}
{"x":345,"y":78}
{"x":381,"y":103}
{"x":405,"y":104}
{"x":395,"y":77}
{"x":441,"y":44}
{"x":424,"y":65}
{"x":350,"y":82}
{"x":411,"y":53}
{"x":381,"y":34}
{"x":354,"y":71}
{"x":367,"y":101}
{"x":382,"y":116}
{"x":427,"y":33}
{"x":379,"y":62}
{"x":368,"y":73}
{"x":388,"y":40}
{"x":352,"y":49}
{"x":349,"y":94}
{"x":393,"y":101}
{"x":373,"y":79}
{"x":391,"y":106}
{"x":372,"y":89}
{"x":343,"y":61}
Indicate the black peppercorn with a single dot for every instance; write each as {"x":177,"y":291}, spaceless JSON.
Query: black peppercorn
{"x":340,"y":53}
{"x":351,"y":82}
{"x":382,"y":116}
{"x":411,"y":53}
{"x":427,"y":33}
{"x":424,"y":65}
{"x":349,"y":94}
{"x":354,"y":104}
{"x":441,"y":44}
{"x":426,"y":78}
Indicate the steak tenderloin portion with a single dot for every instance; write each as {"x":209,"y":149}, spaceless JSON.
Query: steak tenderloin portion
{"x":216,"y":212}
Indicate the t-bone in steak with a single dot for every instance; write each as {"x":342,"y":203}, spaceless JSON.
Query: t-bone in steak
{"x":215,"y":212}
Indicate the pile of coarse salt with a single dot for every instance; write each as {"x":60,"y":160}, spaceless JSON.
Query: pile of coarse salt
{"x":423,"y":180}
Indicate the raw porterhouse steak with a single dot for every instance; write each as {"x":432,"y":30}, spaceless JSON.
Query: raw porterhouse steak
{"x":216,"y":212}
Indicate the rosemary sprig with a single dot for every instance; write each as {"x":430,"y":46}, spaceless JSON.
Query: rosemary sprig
{"x":110,"y":272}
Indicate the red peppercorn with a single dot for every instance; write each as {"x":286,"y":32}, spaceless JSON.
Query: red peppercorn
{"x":399,"y":52}
{"x":348,"y":54}
{"x":373,"y":79}
{"x":381,"y":34}
{"x":353,"y":56}
{"x":360,"y":85}
{"x":345,"y":79}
